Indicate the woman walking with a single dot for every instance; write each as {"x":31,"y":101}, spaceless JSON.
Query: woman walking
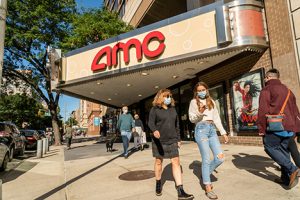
{"x":204,"y":114}
{"x":164,"y":124}
{"x":139,"y":128}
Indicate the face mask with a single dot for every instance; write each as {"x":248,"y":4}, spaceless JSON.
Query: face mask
{"x":167,"y":101}
{"x":125,"y":111}
{"x":201,"y":94}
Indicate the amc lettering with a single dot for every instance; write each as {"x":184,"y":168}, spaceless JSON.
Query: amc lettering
{"x":141,"y":48}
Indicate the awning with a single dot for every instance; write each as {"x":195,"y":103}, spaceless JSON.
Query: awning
{"x":133,"y":66}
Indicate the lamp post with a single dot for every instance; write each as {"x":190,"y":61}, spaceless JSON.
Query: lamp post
{"x":3,"y":11}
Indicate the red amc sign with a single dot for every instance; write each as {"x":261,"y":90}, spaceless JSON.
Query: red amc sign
{"x":141,"y":48}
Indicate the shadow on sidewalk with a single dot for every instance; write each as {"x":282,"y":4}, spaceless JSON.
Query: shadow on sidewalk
{"x":51,"y":192}
{"x":256,"y":165}
{"x":197,"y":171}
{"x":167,"y":174}
{"x":19,"y":170}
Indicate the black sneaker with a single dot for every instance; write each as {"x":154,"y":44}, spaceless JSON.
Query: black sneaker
{"x":158,"y":188}
{"x":182,"y":195}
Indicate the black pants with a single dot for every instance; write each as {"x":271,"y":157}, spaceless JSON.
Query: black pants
{"x":277,"y":148}
{"x":294,"y":151}
{"x":69,"y":141}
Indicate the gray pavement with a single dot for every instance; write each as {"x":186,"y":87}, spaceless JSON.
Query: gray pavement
{"x":87,"y":171}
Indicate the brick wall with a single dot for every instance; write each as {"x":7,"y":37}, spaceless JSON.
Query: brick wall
{"x":283,"y":58}
{"x":244,"y":140}
{"x":281,"y":43}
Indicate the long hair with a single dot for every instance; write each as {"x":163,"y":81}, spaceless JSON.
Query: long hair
{"x":209,"y":101}
{"x":254,"y":90}
{"x":159,"y":98}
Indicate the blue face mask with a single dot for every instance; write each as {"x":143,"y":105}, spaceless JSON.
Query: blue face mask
{"x":202,"y":94}
{"x":168,"y":101}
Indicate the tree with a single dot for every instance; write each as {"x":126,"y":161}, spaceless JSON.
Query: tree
{"x":72,"y":121}
{"x":32,"y":26}
{"x":92,"y":26}
{"x":20,"y":108}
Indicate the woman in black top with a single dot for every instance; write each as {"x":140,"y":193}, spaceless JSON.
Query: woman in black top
{"x":164,"y":124}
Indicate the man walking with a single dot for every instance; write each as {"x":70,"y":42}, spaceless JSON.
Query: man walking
{"x":68,"y":136}
{"x":126,"y":126}
{"x":271,"y":102}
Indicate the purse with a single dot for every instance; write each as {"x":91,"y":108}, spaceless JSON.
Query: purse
{"x":274,"y":122}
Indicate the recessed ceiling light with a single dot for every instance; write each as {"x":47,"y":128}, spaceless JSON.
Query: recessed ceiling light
{"x":174,"y":76}
{"x":99,"y":83}
{"x":156,"y":87}
{"x":128,"y":84}
{"x":145,"y":74}
{"x":140,"y":95}
{"x":109,"y":99}
{"x":201,"y":62}
{"x":189,"y":69}
{"x":92,"y":92}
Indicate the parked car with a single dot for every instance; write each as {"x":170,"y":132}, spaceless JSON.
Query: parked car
{"x":11,"y":136}
{"x":42,"y":133}
{"x":32,"y":136}
{"x":4,"y":154}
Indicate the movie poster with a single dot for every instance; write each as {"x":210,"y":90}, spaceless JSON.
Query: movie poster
{"x":245,"y":93}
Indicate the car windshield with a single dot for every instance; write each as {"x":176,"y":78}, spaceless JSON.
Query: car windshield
{"x":27,"y":133}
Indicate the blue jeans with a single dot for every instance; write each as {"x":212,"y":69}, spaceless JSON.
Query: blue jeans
{"x":277,"y":148}
{"x":207,"y":139}
{"x":126,"y":136}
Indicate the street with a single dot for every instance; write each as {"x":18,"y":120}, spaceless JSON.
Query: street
{"x":87,"y":171}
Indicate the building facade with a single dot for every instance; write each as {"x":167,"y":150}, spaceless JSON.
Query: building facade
{"x":227,"y":44}
{"x":89,"y":116}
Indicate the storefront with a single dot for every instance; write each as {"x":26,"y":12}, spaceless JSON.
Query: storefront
{"x":218,"y":44}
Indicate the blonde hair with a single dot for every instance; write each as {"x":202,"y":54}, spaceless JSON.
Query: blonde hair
{"x":209,"y":101}
{"x":159,"y":98}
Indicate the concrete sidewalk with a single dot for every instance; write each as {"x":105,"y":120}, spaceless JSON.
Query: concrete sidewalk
{"x":87,"y":171}
{"x":34,"y":178}
{"x":247,"y":174}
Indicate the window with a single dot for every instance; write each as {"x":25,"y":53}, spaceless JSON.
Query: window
{"x":186,"y":95}
{"x":116,"y":4}
{"x":122,"y":10}
{"x":217,"y":94}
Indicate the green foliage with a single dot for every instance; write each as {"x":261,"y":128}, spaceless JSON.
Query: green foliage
{"x":72,"y":121}
{"x":93,"y":26}
{"x":31,"y":27}
{"x":20,"y":108}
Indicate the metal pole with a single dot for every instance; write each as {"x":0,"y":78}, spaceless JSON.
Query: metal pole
{"x":47,"y":145}
{"x":0,"y":189}
{"x":3,"y":11}
{"x":44,"y":146}
{"x":39,"y":152}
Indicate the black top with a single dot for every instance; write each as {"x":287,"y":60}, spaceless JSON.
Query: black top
{"x":139,"y":123}
{"x":166,"y":122}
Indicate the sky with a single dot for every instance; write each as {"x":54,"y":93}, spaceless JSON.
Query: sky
{"x":68,"y":104}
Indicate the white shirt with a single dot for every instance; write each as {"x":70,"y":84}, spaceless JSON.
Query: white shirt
{"x":195,"y":116}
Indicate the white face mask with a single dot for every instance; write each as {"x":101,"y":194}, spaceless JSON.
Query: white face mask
{"x":125,"y":111}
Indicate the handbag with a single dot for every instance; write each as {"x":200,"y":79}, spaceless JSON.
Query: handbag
{"x":135,"y":134}
{"x":274,"y":122}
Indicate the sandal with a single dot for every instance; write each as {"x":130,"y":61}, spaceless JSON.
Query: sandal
{"x":211,"y":195}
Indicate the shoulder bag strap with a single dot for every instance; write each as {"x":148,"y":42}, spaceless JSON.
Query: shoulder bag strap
{"x":285,"y":102}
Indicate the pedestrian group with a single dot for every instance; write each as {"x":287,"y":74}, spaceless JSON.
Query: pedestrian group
{"x":278,"y":122}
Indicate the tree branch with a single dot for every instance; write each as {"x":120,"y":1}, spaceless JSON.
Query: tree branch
{"x":15,"y":73}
